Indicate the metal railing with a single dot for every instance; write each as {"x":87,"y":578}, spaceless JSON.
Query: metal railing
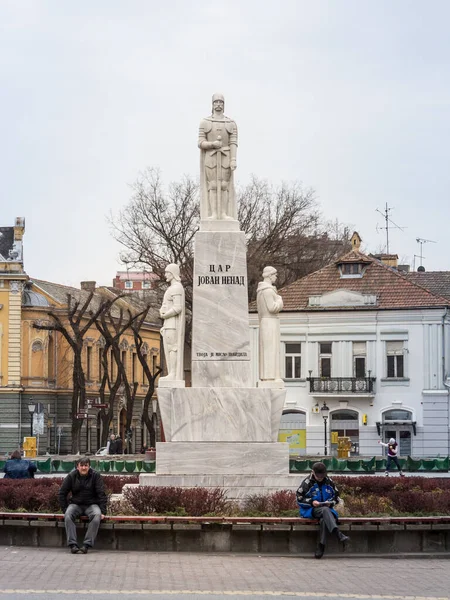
{"x":340,"y":385}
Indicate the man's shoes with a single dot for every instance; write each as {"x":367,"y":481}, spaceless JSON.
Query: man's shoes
{"x":343,"y":538}
{"x":84,"y":549}
{"x":319,"y":551}
{"x":386,"y":474}
{"x":74,"y":549}
{"x":402,"y":474}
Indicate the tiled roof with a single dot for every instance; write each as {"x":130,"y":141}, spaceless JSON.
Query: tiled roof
{"x":438,"y":282}
{"x":353,"y":256}
{"x":392,"y":289}
{"x":130,"y":301}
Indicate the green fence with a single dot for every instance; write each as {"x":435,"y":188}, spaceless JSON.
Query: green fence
{"x":370,"y":465}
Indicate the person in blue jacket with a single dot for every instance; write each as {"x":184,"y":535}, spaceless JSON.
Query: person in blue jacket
{"x":316,"y":497}
{"x":18,"y":468}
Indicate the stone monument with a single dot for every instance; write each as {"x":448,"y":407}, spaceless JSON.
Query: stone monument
{"x":172,"y":312}
{"x":269,"y":304}
{"x":222,"y":431}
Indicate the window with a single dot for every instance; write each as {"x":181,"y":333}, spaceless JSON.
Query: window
{"x":395,"y":363}
{"x":351,"y":268}
{"x":325,"y":359}
{"x":144,"y":377}
{"x":146,"y":285}
{"x":292,"y":361}
{"x":88,"y":363}
{"x":124,"y":361}
{"x":100,"y":364}
{"x":133,"y":367}
{"x":359,"y":359}
{"x":128,"y":285}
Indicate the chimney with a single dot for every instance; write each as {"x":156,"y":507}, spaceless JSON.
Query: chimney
{"x":391,"y":260}
{"x":88,"y":286}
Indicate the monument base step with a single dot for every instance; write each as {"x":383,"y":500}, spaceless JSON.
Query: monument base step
{"x":222,"y":458}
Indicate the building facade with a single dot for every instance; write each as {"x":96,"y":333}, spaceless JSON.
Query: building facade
{"x":134,"y":281}
{"x":374,"y":347}
{"x":36,"y":366}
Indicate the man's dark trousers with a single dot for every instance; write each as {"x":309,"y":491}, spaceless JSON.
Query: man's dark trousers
{"x":327,"y":522}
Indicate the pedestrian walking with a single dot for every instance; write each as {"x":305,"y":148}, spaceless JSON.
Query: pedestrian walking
{"x":88,"y":498}
{"x":392,"y":451}
{"x":17,"y":467}
{"x":317,"y":496}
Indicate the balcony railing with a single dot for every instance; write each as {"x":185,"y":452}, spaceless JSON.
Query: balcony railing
{"x":342,"y":385}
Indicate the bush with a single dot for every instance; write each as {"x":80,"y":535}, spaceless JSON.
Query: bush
{"x":115,"y":483}
{"x":29,"y":495}
{"x":162,"y":500}
{"x":363,"y":496}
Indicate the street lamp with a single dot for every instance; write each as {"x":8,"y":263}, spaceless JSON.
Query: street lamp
{"x":325,"y":411}
{"x":31,"y":410}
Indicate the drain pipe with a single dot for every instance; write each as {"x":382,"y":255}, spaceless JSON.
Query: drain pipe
{"x":445,"y":378}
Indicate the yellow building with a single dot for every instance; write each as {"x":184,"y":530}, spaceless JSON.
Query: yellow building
{"x":37,"y":365}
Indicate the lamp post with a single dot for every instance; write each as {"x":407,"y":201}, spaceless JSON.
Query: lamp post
{"x":325,"y":411}
{"x":31,"y":410}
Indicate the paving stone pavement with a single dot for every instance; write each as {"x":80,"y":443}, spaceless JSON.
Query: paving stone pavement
{"x":52,"y":569}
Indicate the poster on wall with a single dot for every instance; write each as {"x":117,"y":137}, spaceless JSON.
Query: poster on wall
{"x":296,"y":438}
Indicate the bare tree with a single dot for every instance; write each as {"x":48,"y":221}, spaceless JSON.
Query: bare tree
{"x":73,"y":322}
{"x":282,"y":225}
{"x":151,"y":375}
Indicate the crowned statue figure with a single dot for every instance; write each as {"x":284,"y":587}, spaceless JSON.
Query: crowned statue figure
{"x":218,"y":145}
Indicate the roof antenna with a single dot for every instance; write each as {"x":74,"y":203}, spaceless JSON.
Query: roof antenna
{"x":421,"y":241}
{"x":387,"y":220}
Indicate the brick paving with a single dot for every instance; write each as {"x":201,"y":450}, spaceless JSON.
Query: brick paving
{"x":52,"y":569}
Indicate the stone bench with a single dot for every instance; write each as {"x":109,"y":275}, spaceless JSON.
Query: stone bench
{"x":281,"y":535}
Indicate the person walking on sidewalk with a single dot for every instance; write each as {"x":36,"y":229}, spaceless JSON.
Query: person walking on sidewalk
{"x":316,"y":497}
{"x":88,"y":498}
{"x":392,"y":452}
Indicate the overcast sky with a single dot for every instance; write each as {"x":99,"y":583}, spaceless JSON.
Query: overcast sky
{"x":349,"y":96}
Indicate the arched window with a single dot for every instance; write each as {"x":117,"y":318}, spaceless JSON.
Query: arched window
{"x":345,"y":423}
{"x":398,"y":424}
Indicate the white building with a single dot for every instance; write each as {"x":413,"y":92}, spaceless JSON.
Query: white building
{"x":374,"y":347}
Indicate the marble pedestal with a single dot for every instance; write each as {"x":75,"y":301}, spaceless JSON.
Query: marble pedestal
{"x":221,"y":414}
{"x":220,"y":328}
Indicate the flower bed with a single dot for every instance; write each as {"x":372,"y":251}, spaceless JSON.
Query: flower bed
{"x":363,"y":496}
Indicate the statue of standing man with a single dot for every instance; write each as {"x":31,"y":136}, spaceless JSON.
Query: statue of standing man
{"x":217,"y":141}
{"x":172,"y":312}
{"x":269,"y":303}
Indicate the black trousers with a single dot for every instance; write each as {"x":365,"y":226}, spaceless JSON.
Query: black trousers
{"x":393,"y":459}
{"x":327,"y":522}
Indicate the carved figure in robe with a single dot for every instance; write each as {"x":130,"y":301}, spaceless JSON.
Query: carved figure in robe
{"x":217,"y":141}
{"x":172,"y":312}
{"x":269,"y":303}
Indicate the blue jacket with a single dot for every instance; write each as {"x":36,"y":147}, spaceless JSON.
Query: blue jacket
{"x":19,"y":468}
{"x":310,"y":490}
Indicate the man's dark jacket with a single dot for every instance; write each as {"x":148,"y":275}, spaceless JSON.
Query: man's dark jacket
{"x":85,"y":490}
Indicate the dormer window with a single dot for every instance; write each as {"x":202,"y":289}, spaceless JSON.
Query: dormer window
{"x":351,"y":270}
